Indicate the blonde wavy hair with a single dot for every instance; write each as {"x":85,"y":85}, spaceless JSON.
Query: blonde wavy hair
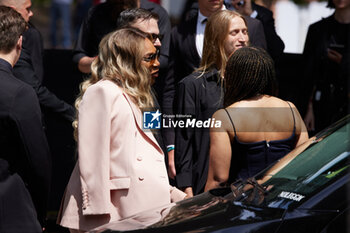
{"x":119,"y":60}
{"x":216,"y":31}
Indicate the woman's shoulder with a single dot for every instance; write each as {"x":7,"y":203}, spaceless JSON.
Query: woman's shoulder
{"x":273,"y":101}
{"x":224,"y":117}
{"x":104,"y":88}
{"x":280,"y":103}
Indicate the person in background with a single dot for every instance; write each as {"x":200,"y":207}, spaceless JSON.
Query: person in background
{"x":186,"y":52}
{"x":257,"y":128}
{"x":201,"y":94}
{"x":326,"y":55}
{"x":143,"y":20}
{"x":102,"y":19}
{"x":30,"y":68}
{"x":61,"y":10}
{"x":25,"y":161}
{"x":80,"y":11}
{"x":120,"y":169}
{"x":275,"y":45}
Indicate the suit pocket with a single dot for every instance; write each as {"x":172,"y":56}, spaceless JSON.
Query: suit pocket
{"x":120,"y":183}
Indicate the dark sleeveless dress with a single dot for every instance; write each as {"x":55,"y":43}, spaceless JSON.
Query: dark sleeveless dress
{"x":248,"y":159}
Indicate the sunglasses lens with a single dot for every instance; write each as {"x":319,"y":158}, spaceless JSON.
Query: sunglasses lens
{"x":152,"y":57}
{"x":156,"y":36}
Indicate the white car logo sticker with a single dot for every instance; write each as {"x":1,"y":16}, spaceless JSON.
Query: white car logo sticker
{"x":291,"y":196}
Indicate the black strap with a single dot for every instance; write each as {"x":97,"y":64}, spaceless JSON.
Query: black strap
{"x":292,"y":114}
{"x":231,"y":121}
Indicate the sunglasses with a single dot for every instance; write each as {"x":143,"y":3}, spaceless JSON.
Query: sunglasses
{"x":154,"y":37}
{"x":152,"y":57}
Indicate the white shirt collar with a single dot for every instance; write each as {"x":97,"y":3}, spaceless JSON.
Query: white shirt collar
{"x":201,"y":17}
{"x":200,"y":31}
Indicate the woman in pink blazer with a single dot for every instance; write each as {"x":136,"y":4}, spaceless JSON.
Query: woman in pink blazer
{"x":120,"y":169}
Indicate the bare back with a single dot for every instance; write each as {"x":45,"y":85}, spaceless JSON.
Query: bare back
{"x":264,"y":118}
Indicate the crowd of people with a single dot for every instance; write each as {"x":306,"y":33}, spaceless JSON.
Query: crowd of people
{"x":219,"y":63}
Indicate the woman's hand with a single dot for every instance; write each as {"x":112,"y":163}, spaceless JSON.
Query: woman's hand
{"x":188,"y":191}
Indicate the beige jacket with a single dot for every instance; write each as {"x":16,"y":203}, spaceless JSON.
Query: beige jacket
{"x":120,"y":170}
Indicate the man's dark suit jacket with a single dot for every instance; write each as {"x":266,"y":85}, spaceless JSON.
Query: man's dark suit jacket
{"x":17,"y":212}
{"x":184,"y":58}
{"x":22,"y":140}
{"x":30,"y":69}
{"x":275,"y":45}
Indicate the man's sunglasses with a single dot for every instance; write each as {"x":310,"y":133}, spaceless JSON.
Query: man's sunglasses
{"x":154,"y":37}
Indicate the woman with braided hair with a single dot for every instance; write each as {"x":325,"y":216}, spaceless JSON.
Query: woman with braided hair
{"x":257,"y":128}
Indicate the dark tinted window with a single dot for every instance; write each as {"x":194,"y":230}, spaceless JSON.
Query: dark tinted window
{"x":325,"y":161}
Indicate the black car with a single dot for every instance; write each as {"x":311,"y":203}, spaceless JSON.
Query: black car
{"x":306,"y":191}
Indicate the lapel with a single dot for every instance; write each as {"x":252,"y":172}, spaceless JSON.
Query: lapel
{"x":186,"y":36}
{"x":148,"y":135}
{"x":192,"y":39}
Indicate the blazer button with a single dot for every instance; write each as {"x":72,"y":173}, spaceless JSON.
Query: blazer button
{"x":141,"y":178}
{"x":139,"y":158}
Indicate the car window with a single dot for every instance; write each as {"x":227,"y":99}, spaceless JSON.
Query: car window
{"x":320,"y":165}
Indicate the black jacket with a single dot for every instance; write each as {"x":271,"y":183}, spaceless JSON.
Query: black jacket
{"x":17,"y":212}
{"x":327,"y":80}
{"x":30,"y":70}
{"x":22,"y":139}
{"x":198,"y":96}
{"x":275,"y":45}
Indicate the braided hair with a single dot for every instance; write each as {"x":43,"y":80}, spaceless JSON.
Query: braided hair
{"x":249,"y":72}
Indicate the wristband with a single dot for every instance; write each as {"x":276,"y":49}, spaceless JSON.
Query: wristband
{"x":170,"y":148}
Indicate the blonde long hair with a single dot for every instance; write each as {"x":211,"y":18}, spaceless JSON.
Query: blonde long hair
{"x":216,"y":31}
{"x":119,"y":60}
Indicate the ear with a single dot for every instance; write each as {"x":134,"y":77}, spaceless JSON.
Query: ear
{"x":13,"y":6}
{"x":19,"y":43}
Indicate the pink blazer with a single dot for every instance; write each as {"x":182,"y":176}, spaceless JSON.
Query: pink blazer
{"x":121,"y":168}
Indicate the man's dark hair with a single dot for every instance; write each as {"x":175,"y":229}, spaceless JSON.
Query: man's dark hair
{"x":130,"y":16}
{"x":12,"y":26}
{"x":249,"y":72}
